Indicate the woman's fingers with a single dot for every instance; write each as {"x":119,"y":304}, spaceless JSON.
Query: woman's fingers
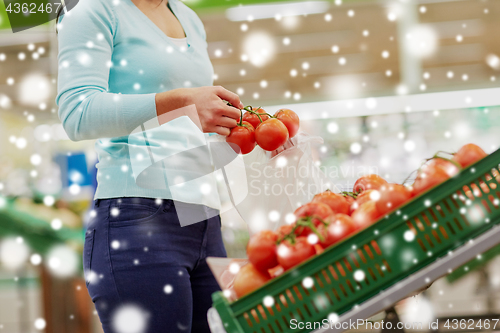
{"x":227,"y":122}
{"x":231,"y":112}
{"x":224,"y":125}
{"x":222,"y":130}
{"x":229,"y":96}
{"x":217,"y":116}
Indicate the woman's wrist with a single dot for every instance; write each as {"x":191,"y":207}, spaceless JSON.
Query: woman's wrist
{"x":171,"y":100}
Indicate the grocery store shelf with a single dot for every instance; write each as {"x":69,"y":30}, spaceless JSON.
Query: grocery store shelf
{"x":421,"y":279}
{"x":461,"y":99}
{"x":35,"y":35}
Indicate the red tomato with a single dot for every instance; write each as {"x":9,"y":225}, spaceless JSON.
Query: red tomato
{"x":495,"y":174}
{"x":290,"y":254}
{"x":365,"y":215}
{"x":284,"y":230}
{"x":391,"y":197}
{"x":350,"y":200}
{"x":469,"y":194}
{"x":276,"y":271}
{"x":449,"y":167}
{"x":368,"y":182}
{"x":339,"y":227}
{"x":312,"y":209}
{"x":427,"y":178}
{"x":253,"y":119}
{"x":261,"y":250}
{"x":361,"y":199}
{"x":318,"y":248}
{"x":242,"y":138}
{"x":473,"y":191}
{"x":248,"y":279}
{"x":290,"y":119}
{"x":469,"y":154}
{"x":271,"y":134}
{"x":337,"y":202}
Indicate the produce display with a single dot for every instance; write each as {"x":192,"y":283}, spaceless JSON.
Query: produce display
{"x":257,"y":127}
{"x":331,"y":217}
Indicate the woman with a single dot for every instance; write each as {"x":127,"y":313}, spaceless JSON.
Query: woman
{"x":124,"y":63}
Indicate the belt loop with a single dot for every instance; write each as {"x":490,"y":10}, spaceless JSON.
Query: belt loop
{"x":97,"y":202}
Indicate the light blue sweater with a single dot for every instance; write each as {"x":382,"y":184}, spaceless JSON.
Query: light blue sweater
{"x":112,"y":61}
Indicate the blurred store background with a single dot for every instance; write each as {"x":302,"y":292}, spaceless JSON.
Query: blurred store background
{"x":385,"y":83}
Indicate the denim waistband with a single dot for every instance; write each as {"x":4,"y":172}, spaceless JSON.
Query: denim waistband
{"x":194,"y":211}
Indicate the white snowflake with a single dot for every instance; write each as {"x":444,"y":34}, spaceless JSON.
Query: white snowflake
{"x":168,"y":289}
{"x":39,"y":324}
{"x":56,"y":224}
{"x":129,"y":319}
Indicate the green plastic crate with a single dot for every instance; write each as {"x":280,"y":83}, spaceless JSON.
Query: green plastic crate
{"x":474,"y":264}
{"x":355,"y":270}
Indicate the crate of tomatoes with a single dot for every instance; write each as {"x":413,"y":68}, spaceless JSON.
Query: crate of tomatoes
{"x":345,"y":248}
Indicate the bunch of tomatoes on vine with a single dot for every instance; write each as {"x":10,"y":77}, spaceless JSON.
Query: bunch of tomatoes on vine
{"x":332,"y":217}
{"x":257,"y":127}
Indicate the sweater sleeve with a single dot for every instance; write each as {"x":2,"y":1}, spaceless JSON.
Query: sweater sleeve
{"x":86,"y":108}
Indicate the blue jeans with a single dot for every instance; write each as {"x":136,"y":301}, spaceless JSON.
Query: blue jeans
{"x":141,"y":266}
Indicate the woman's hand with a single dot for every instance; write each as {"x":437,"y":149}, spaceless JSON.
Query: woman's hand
{"x":215,"y":116}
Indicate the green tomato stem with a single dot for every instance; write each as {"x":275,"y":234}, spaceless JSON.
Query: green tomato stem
{"x":261,"y":113}
{"x":307,"y":222}
{"x":350,"y":194}
{"x":443,"y":158}
{"x":249,"y":109}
